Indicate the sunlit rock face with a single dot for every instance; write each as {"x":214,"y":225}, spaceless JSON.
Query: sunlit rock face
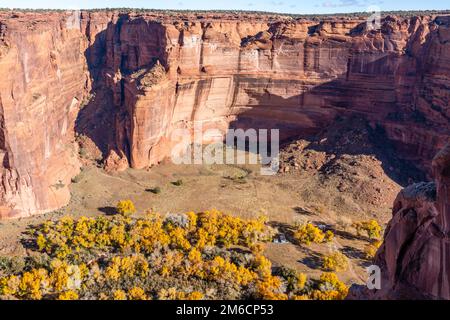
{"x":151,"y":74}
{"x":293,"y":75}
{"x":43,"y":78}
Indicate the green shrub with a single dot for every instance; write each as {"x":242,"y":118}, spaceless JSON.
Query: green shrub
{"x":178,"y":183}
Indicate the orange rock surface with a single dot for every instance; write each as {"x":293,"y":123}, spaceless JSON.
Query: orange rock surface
{"x":149,"y":74}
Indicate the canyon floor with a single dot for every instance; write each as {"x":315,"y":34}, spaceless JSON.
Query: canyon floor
{"x":320,"y":180}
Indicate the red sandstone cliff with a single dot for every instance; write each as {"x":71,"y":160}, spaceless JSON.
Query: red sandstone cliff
{"x":414,"y":258}
{"x":293,"y":75}
{"x":43,"y":76}
{"x":150,"y":74}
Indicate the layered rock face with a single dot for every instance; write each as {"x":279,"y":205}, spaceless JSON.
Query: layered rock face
{"x":294,"y":75}
{"x":414,"y":258}
{"x":43,"y":77}
{"x":150,"y":74}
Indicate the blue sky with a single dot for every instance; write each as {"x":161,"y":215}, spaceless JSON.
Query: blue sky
{"x":288,"y":6}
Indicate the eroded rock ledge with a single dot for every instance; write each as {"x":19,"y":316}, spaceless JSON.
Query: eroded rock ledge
{"x":129,"y":79}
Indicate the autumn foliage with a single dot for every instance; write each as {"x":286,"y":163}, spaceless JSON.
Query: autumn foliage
{"x":126,"y":207}
{"x":207,"y":255}
{"x":371,"y":228}
{"x":308,"y":233}
{"x":336,"y":261}
{"x":371,"y":249}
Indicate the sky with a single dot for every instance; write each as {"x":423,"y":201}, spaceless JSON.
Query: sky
{"x":285,"y":6}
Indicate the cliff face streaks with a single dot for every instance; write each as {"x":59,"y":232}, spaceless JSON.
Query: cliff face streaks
{"x":296,"y":76}
{"x":148,"y":74}
{"x":414,"y":256}
{"x":43,"y":81}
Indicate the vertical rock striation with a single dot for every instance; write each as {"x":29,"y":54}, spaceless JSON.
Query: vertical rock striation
{"x":295,"y":75}
{"x":43,"y":77}
{"x":147,"y":74}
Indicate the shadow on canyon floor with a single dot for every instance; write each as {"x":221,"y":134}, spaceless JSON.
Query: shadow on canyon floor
{"x":336,"y":130}
{"x":108,"y":210}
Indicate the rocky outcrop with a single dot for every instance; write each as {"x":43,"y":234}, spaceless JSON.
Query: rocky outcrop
{"x":43,"y":77}
{"x":148,"y":74}
{"x":414,"y":257}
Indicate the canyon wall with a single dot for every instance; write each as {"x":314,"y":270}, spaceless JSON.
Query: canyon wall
{"x":295,"y":75}
{"x":414,"y":257}
{"x":43,"y":77}
{"x":149,"y":74}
